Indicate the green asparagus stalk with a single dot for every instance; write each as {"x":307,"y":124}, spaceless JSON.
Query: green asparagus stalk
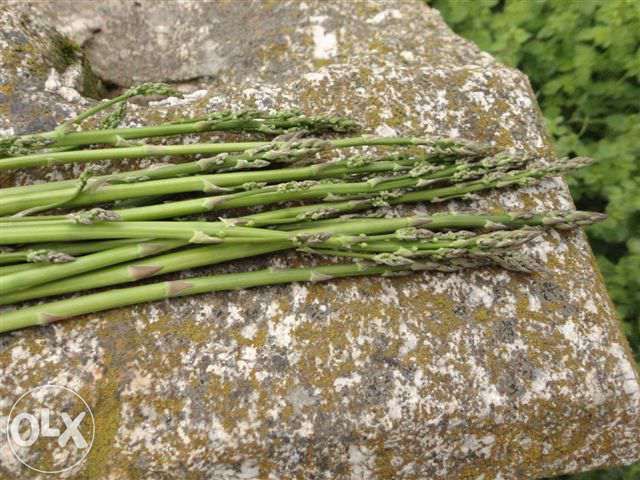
{"x":482,"y":247}
{"x":51,"y":312}
{"x":17,"y":267}
{"x":151,"y":267}
{"x":557,"y":219}
{"x":449,"y":246}
{"x":242,"y":161}
{"x":98,"y":192}
{"x":69,"y":197}
{"x":227,"y":163}
{"x":51,"y":252}
{"x":346,"y":238}
{"x":25,"y":144}
{"x":90,"y":262}
{"x":463,"y":190}
{"x":439,"y":150}
{"x":39,"y":255}
{"x":142,"y":151}
{"x":391,"y":192}
{"x":505,"y":239}
{"x":29,"y":278}
{"x":193,"y":232}
{"x":245,"y":121}
{"x":178,"y":261}
{"x":144,"y":89}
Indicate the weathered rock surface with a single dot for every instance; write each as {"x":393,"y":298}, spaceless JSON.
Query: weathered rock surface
{"x":484,"y":374}
{"x":129,"y":41}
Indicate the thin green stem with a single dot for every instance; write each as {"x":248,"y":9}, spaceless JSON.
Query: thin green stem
{"x":558,"y":219}
{"x":151,"y":267}
{"x":336,"y":237}
{"x":18,"y":267}
{"x":70,"y":248}
{"x":18,"y":145}
{"x":61,"y":139}
{"x":491,"y":180}
{"x":142,"y":151}
{"x":97,"y":192}
{"x":139,"y":90}
{"x":261,"y":123}
{"x":27,"y":279}
{"x":194,"y":232}
{"x":51,"y":312}
{"x":239,"y":162}
{"x":189,"y":258}
{"x":354,"y":190}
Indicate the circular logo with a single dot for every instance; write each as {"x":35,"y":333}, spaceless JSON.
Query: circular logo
{"x":50,"y":429}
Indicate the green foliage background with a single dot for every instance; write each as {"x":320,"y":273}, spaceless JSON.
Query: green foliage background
{"x":583,"y":59}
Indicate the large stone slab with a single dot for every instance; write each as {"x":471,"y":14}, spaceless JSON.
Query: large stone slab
{"x":483,"y":374}
{"x":145,"y":40}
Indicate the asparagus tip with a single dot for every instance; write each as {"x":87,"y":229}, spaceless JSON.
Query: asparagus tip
{"x":564,"y":220}
{"x":95,"y":215}
{"x":49,"y":256}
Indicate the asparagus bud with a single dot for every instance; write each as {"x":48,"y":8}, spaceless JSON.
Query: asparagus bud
{"x":95,"y":215}
{"x":48,"y":256}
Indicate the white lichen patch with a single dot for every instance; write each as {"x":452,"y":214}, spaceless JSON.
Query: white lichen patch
{"x":379,"y":18}
{"x":626,"y":374}
{"x":325,"y":43}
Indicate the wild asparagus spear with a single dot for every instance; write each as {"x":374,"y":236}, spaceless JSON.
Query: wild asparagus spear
{"x":142,"y":151}
{"x":384,"y":264}
{"x":51,"y":312}
{"x":447,"y":247}
{"x":18,"y":267}
{"x":50,"y":252}
{"x":439,"y":150}
{"x":25,"y":144}
{"x":245,"y":121}
{"x":28,"y":278}
{"x":389,"y":191}
{"x":346,"y":238}
{"x":490,"y":241}
{"x":133,"y":271}
{"x":242,"y":161}
{"x":194,"y":232}
{"x":225,"y":121}
{"x":96,"y":191}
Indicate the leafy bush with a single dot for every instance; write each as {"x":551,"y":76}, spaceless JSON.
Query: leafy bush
{"x":583,"y":59}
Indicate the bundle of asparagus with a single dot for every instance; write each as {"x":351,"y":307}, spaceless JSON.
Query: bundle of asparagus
{"x":121,"y":239}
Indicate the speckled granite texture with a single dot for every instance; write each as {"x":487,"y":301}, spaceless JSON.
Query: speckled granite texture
{"x":480,"y":375}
